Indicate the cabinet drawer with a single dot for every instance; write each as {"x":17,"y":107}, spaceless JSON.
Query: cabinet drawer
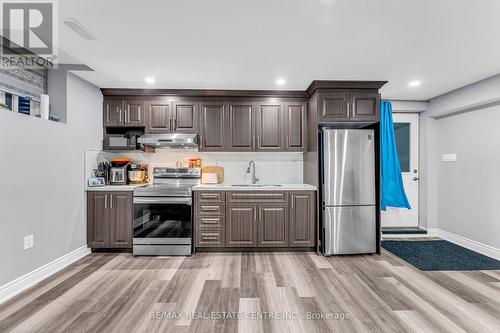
{"x":210,"y":221}
{"x":210,"y":209}
{"x":210,"y":237}
{"x":257,"y":196}
{"x":210,"y":196}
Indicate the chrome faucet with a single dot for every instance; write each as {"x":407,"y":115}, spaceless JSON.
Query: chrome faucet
{"x":254,"y":179}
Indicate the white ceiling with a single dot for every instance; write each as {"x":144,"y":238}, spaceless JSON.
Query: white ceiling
{"x":248,"y":44}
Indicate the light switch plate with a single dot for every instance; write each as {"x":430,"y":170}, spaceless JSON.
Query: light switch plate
{"x":28,"y":242}
{"x":449,"y":157}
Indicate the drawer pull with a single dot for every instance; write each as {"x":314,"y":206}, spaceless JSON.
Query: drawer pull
{"x":210,"y":221}
{"x":210,"y":208}
{"x":210,"y":196}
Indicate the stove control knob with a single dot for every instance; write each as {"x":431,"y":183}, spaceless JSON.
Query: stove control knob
{"x":190,"y":171}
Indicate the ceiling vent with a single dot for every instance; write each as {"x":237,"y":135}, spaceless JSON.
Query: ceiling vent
{"x":79,"y":29}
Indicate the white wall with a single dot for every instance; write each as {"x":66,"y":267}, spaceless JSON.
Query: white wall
{"x":41,"y":188}
{"x":464,"y":196}
{"x":271,"y":168}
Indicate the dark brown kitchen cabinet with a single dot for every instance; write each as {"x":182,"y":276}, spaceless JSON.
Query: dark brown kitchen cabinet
{"x":295,"y":127}
{"x":272,"y":226}
{"x":98,"y":218}
{"x":333,"y":107}
{"x":158,"y":116}
{"x":185,"y":116}
{"x":121,"y":208}
{"x":365,"y":106}
{"x":164,"y":116}
{"x":213,"y":126}
{"x":134,"y":113}
{"x":354,"y":106}
{"x":269,"y":127}
{"x":241,"y":126}
{"x":109,"y":219}
{"x":113,"y":112}
{"x":124,"y":113}
{"x":302,"y":219}
{"x":241,"y":225}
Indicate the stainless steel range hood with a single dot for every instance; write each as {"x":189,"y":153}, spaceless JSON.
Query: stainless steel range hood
{"x":170,"y":140}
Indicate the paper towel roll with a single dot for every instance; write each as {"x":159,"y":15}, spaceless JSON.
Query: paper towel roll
{"x":44,"y":106}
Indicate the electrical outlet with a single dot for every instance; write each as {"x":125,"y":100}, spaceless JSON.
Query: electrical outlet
{"x":28,"y":242}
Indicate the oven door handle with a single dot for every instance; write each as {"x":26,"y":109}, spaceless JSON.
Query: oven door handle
{"x":162,"y":200}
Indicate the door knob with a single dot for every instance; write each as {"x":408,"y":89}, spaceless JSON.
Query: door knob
{"x":416,"y":178}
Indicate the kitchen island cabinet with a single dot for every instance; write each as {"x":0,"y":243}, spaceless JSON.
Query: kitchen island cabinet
{"x":254,"y":218}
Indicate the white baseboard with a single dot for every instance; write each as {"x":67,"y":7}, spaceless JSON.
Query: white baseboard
{"x":470,"y":244}
{"x":26,"y":281}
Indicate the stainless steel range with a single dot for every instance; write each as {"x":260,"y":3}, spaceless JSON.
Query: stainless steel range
{"x":163,"y":223}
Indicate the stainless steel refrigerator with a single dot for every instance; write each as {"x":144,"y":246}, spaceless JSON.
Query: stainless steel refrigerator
{"x":348,"y":191}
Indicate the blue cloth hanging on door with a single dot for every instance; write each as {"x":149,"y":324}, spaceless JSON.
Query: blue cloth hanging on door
{"x":393,"y":192}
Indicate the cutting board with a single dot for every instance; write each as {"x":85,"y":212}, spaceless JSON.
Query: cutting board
{"x":214,"y":169}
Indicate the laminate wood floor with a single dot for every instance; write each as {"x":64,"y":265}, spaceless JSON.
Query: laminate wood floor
{"x":255,"y":292}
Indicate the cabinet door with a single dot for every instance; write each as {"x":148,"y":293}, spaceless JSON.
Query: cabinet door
{"x":158,"y":116}
{"x":241,"y":128}
{"x":185,"y":116}
{"x":241,"y":226}
{"x":121,"y":206}
{"x":269,"y":127}
{"x":98,"y":219}
{"x":213,"y":126}
{"x":365,"y":106}
{"x":333,"y":107}
{"x":302,"y":217}
{"x":273,"y":226}
{"x":134,"y":113}
{"x":295,"y":127}
{"x":113,"y":112}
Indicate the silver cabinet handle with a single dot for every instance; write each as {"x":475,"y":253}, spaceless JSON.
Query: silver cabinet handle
{"x":111,"y":201}
{"x":106,"y":201}
{"x":258,"y":141}
{"x":292,"y":199}
{"x":201,"y":141}
{"x":120,"y":114}
{"x":253,"y":142}
{"x":287,"y":141}
{"x":170,"y":125}
{"x":260,"y":214}
{"x":175,"y":123}
{"x":255,"y":213}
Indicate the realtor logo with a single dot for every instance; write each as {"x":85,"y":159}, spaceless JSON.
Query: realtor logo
{"x":29,"y":26}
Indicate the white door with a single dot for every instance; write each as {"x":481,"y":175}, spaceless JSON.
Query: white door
{"x":406,"y":132}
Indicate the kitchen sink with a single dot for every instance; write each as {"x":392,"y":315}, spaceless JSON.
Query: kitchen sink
{"x":255,"y":185}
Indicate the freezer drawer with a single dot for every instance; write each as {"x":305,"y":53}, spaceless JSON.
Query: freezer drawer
{"x":349,"y":230}
{"x":348,"y":167}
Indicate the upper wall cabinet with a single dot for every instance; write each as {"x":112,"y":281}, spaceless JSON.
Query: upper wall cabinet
{"x":158,"y":116}
{"x":213,"y":126}
{"x":124,"y":113}
{"x":360,"y":106}
{"x":241,"y":126}
{"x":295,"y":126}
{"x":270,"y":127}
{"x":164,"y":116}
{"x":185,"y":116}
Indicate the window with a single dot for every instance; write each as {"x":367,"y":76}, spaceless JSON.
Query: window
{"x":402,"y":136}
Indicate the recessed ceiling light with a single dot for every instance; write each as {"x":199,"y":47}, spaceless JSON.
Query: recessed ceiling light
{"x":150,"y":80}
{"x":280,"y":82}
{"x":414,"y":83}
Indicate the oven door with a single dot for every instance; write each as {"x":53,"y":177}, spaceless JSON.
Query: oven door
{"x":162,"y":221}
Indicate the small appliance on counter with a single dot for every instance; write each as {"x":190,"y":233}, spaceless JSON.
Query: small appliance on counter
{"x":138,"y":174}
{"x":118,"y":172}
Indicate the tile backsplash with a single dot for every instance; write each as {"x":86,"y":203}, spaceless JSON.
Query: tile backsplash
{"x":285,"y":168}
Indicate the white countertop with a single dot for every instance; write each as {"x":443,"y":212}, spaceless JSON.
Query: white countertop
{"x":129,"y":187}
{"x":235,"y":187}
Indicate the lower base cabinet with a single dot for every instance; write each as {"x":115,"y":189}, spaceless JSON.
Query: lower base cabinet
{"x":255,"y":219}
{"x":109,"y":219}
